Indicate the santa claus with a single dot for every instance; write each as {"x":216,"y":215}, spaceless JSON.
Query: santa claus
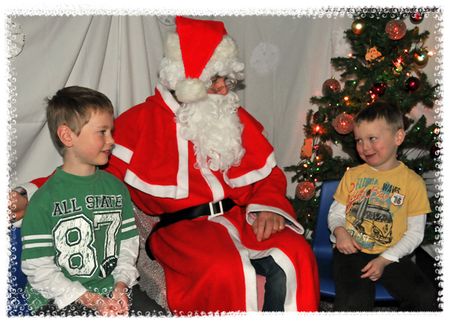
{"x":193,"y":156}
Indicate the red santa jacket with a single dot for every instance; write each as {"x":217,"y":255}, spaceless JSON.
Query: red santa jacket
{"x":158,"y":165}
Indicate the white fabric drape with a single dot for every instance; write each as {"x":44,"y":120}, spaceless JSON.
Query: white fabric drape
{"x":287,"y":59}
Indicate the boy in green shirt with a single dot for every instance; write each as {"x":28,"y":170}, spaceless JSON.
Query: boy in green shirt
{"x":79,"y":237}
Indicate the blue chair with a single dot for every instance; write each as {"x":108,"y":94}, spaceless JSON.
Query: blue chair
{"x":322,"y":246}
{"x":17,"y":303}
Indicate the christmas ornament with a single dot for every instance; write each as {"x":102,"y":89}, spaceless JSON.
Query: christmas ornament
{"x":416,"y":17}
{"x":319,"y":117}
{"x":412,"y":84}
{"x":395,"y":29}
{"x":305,"y":190}
{"x":330,"y":86}
{"x":358,"y":27}
{"x":343,"y":123}
{"x":420,"y":57}
{"x":398,"y":66}
{"x":306,"y":151}
{"x":373,"y":54}
{"x":378,"y":89}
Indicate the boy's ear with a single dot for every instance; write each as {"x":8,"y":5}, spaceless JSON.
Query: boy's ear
{"x":400,"y":136}
{"x":65,"y":135}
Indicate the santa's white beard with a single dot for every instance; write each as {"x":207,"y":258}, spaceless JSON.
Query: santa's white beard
{"x":214,"y":128}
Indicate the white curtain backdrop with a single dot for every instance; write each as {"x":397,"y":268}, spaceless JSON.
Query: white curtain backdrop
{"x":287,"y":59}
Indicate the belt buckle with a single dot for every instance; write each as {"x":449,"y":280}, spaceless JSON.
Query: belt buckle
{"x":211,"y":209}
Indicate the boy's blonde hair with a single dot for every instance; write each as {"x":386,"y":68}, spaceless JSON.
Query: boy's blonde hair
{"x":382,"y":110}
{"x":72,"y":106}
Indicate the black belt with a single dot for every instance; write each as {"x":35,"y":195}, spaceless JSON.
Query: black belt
{"x":209,"y":209}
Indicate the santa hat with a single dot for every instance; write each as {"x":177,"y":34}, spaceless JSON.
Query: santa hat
{"x":198,"y":51}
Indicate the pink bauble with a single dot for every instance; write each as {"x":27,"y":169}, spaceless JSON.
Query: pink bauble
{"x":416,"y":17}
{"x":395,"y":29}
{"x":305,"y":190}
{"x":330,"y":86}
{"x":412,"y":84}
{"x":343,"y":123}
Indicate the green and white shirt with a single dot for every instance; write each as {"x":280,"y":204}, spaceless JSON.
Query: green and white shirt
{"x":78,"y":235}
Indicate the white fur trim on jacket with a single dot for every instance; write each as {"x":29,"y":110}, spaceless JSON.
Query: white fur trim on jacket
{"x":291,"y":222}
{"x":253,"y":176}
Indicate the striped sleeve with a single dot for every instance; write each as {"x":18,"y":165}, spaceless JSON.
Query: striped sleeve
{"x":128,"y":229}
{"x":36,"y":231}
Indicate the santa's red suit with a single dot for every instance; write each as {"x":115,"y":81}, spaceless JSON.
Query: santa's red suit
{"x":207,"y":260}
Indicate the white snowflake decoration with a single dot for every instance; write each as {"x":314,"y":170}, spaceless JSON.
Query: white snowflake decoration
{"x":265,"y":58}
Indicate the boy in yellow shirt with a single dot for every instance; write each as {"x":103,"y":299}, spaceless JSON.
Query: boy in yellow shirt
{"x":378,"y":219}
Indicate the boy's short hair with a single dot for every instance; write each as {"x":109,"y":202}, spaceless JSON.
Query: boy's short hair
{"x":382,"y":110}
{"x":73,"y":106}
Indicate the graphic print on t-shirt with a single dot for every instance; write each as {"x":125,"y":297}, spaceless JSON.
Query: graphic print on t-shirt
{"x":84,"y":244}
{"x":370,"y":212}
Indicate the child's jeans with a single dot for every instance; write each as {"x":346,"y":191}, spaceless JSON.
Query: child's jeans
{"x":403,"y":280}
{"x":275,"y":288}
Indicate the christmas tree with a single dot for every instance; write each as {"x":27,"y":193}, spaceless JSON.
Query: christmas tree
{"x":385,"y":64}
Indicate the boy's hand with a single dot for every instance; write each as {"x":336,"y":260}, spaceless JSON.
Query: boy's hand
{"x":375,"y":268}
{"x":344,"y":242}
{"x":119,"y":294}
{"x":266,"y":224}
{"x":103,"y":305}
{"x":17,"y":205}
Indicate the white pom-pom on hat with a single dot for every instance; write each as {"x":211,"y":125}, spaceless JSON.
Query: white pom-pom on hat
{"x":190,"y":90}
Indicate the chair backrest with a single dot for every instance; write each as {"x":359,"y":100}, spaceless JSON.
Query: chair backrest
{"x":321,"y":237}
{"x":17,"y":304}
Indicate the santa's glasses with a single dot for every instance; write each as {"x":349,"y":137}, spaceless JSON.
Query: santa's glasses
{"x":230,"y":83}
